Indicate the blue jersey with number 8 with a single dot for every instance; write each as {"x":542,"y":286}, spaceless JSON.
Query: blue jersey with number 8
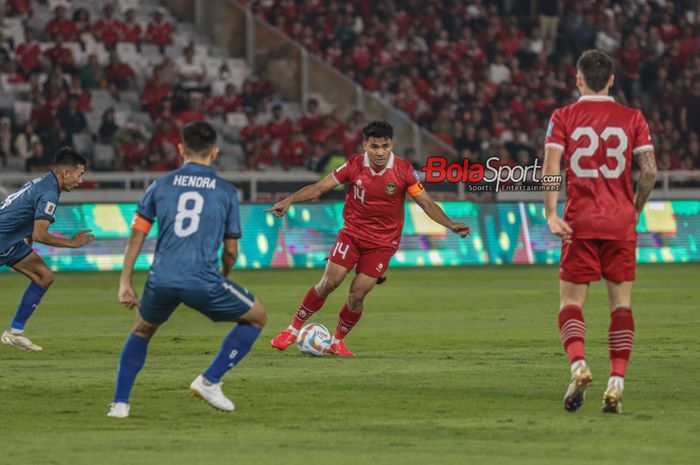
{"x":196,"y":210}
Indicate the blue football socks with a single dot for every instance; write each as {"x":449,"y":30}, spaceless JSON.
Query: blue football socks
{"x":131,"y":361}
{"x":30,"y":299}
{"x":235,"y":346}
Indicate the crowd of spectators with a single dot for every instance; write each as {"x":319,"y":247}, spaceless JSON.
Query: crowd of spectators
{"x":485,"y":76}
{"x":40,"y":67}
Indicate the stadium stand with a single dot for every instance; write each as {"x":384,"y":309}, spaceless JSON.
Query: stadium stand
{"x":118,"y":79}
{"x":485,"y":76}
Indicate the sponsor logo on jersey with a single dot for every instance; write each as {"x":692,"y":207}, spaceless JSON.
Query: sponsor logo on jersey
{"x":50,"y":208}
{"x":390,"y":187}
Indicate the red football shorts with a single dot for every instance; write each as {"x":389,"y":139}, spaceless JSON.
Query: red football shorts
{"x":366,"y":257}
{"x":584,"y":260}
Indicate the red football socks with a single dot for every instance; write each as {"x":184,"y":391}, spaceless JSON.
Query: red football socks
{"x":572,"y":330}
{"x":346,"y":321}
{"x":620,"y":338}
{"x":311,"y":304}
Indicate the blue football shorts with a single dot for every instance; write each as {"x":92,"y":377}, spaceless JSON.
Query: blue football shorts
{"x":14,"y":254}
{"x":223,"y":301}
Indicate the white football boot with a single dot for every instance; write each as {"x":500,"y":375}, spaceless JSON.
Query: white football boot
{"x":19,"y":341}
{"x":576,"y":391}
{"x":612,"y":398}
{"x":211,"y":394}
{"x":118,"y":410}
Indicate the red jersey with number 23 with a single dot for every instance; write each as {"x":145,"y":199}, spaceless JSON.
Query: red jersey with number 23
{"x":598,"y":137}
{"x":374,"y":203}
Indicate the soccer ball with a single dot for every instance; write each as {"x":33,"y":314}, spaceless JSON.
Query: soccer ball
{"x":314,"y":339}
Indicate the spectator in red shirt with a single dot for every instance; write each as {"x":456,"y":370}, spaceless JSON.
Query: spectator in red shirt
{"x":159,"y":31}
{"x":29,"y":53}
{"x":19,"y":8}
{"x":60,"y":55}
{"x":120,"y":75}
{"x":155,"y":91}
{"x":193,"y":112}
{"x":312,"y":121}
{"x":108,"y":29}
{"x":294,"y":152}
{"x":252,"y":130}
{"x":60,"y":25}
{"x":131,"y":29}
{"x":83,"y":96}
{"x":280,"y":127}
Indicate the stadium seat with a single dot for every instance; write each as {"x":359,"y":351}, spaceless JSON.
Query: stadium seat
{"x":104,"y":157}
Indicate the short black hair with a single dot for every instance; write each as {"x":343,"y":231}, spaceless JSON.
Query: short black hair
{"x":596,"y":67}
{"x":378,"y":129}
{"x":67,"y":156}
{"x":198,"y":136}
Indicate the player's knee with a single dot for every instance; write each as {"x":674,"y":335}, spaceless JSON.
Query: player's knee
{"x":257,"y":315}
{"x":45,"y":278}
{"x":327,"y":285}
{"x":356,"y":299}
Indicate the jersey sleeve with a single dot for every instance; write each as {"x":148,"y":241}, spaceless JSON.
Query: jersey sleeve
{"x":342,"y":173}
{"x":233,"y":217}
{"x":642,"y":138}
{"x":556,"y":132}
{"x":415,"y":186}
{"x":45,"y":207}
{"x":147,"y":204}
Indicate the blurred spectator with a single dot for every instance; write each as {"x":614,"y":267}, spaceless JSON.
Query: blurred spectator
{"x":58,"y":55}
{"x":92,"y":75}
{"x":7,"y":149}
{"x":29,"y":53}
{"x":19,"y":8}
{"x":60,"y":26}
{"x":159,"y":31}
{"x":108,"y":128}
{"x":83,"y":28}
{"x":119,"y":75}
{"x":191,"y":71}
{"x":23,"y":140}
{"x":155,"y":91}
{"x":38,"y":161}
{"x":131,"y":29}
{"x":72,"y":119}
{"x":108,"y":29}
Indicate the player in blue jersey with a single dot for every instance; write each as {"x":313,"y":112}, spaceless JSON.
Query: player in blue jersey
{"x":196,"y":212}
{"x":25,"y":217}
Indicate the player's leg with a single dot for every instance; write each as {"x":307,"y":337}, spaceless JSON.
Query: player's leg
{"x":32,"y":266}
{"x":371,"y":266}
{"x":227,"y":302}
{"x":351,"y":313}
{"x":618,"y":262}
{"x":579,"y":266}
{"x":157,"y":304}
{"x":342,"y":259}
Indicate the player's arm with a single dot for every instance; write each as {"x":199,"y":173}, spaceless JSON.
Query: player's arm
{"x":229,"y":255}
{"x":433,"y":210}
{"x":310,"y":192}
{"x":42,"y":235}
{"x":552,"y":167}
{"x":647,"y":179}
{"x":139,"y":231}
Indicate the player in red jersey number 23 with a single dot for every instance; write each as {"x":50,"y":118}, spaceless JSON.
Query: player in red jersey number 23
{"x":597,"y":138}
{"x":374,"y":216}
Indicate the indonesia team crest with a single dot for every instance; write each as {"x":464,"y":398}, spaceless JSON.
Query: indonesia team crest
{"x":390,"y":187}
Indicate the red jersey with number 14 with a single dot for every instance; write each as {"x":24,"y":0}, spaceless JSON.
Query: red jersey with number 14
{"x":374,"y":203}
{"x":598,"y":137}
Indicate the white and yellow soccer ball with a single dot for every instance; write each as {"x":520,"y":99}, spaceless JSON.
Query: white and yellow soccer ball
{"x":314,"y":339}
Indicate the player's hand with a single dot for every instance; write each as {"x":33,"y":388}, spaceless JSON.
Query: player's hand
{"x":128,"y":297}
{"x":82,"y":238}
{"x":560,"y":227}
{"x":280,"y":208}
{"x":460,"y":228}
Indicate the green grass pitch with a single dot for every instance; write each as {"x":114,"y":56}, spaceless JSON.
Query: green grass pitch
{"x":456,"y":366}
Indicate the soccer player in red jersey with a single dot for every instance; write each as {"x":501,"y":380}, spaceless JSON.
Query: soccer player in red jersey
{"x":598,"y":139}
{"x":374,"y":215}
